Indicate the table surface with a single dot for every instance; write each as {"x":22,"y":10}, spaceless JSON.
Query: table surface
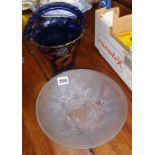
{"x":37,"y":71}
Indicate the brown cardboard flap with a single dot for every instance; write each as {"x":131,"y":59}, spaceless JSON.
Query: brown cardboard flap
{"x":122,"y":24}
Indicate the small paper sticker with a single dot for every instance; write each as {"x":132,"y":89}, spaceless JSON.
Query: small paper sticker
{"x":63,"y":80}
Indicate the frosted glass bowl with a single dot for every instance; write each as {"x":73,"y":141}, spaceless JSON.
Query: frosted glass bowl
{"x":81,"y":108}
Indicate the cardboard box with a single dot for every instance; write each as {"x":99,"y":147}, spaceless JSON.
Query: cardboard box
{"x":119,"y":56}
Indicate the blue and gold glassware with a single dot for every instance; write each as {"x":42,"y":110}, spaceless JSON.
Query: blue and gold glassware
{"x":57,"y":34}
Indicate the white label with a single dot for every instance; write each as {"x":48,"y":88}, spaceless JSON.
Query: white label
{"x":63,"y":80}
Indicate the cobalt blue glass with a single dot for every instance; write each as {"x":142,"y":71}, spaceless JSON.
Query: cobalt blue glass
{"x":58,"y":36}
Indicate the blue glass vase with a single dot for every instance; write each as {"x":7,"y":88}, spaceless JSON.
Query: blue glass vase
{"x":57,"y":35}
